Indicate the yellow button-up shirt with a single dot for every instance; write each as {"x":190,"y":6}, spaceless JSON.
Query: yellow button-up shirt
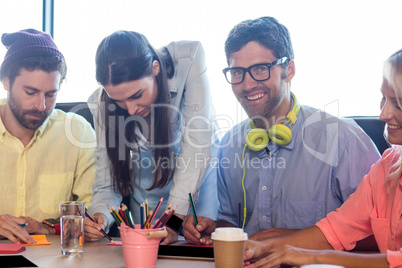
{"x":57,"y":165}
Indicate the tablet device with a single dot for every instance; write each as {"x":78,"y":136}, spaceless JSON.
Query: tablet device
{"x":182,"y":250}
{"x":15,"y":261}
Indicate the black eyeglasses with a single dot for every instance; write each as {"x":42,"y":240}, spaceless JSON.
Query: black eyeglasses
{"x":259,"y":72}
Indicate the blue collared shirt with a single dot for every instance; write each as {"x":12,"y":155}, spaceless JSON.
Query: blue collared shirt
{"x":296,"y":185}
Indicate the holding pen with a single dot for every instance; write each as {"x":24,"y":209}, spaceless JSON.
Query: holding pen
{"x":101,"y":230}
{"x":194,"y":213}
{"x":197,"y":229}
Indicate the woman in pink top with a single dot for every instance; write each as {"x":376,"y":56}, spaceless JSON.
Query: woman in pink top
{"x":375,"y":207}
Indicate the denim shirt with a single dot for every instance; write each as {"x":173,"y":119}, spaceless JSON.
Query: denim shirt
{"x":295,"y":185}
{"x":192,"y":109}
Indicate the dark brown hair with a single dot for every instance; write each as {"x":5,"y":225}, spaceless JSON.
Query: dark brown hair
{"x":127,"y":56}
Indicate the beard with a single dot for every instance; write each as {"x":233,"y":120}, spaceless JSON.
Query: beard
{"x":22,"y":115}
{"x":267,"y":109}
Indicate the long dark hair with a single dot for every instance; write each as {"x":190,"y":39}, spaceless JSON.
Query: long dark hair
{"x":127,"y":56}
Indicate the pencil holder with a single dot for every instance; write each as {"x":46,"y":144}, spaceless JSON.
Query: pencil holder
{"x":140,"y":246}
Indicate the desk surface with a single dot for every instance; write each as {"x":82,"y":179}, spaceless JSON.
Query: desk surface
{"x":96,"y":254}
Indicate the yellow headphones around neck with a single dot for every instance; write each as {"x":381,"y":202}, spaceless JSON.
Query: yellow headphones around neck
{"x":257,"y":139}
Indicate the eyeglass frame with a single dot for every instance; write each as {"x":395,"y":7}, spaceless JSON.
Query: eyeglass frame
{"x":248,"y":70}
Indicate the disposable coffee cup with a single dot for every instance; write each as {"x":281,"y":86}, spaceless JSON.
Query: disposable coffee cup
{"x":229,"y":245}
{"x":140,"y":246}
{"x":321,"y":266}
{"x":72,"y":216}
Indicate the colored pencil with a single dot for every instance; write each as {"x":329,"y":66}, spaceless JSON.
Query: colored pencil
{"x":164,"y":215}
{"x":193,"y":208}
{"x":102,"y":231}
{"x":146,"y":224}
{"x":113,"y":212}
{"x":117,"y":214}
{"x":147,"y":212}
{"x":169,"y":216}
{"x":156,"y":210}
{"x":123,"y":216}
{"x":194,"y":213}
{"x":142,"y":209}
{"x":125,"y":212}
{"x":131,"y":219}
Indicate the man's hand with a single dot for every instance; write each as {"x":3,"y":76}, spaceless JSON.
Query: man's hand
{"x":269,"y":233}
{"x":10,"y":228}
{"x":92,"y":228}
{"x":200,"y":234}
{"x":35,"y":227}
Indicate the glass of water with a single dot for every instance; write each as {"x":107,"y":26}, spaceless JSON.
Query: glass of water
{"x":72,"y":216}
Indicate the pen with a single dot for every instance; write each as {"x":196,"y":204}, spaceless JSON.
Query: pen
{"x":24,"y":224}
{"x":102,"y":231}
{"x":194,"y":213}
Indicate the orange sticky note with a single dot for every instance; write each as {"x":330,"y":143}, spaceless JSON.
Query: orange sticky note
{"x":40,"y":240}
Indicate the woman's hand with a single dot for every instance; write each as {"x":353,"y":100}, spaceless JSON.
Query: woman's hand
{"x":286,"y":255}
{"x":92,"y":228}
{"x":171,"y":238}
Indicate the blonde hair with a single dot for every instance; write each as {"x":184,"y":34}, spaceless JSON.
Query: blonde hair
{"x":393,"y":75}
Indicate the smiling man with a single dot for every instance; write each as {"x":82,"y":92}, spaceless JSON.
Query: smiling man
{"x":288,"y":165}
{"x":46,"y":155}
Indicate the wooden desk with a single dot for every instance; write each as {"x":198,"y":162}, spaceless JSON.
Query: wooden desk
{"x":96,"y":254}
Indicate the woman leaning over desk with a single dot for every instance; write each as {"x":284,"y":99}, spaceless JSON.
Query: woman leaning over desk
{"x":375,"y":207}
{"x":152,"y":118}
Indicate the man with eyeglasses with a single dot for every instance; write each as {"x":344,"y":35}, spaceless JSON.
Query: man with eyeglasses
{"x":288,"y":165}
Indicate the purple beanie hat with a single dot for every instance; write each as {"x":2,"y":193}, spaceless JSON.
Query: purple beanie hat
{"x":25,"y":44}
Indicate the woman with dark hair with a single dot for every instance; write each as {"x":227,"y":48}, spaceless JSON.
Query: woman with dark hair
{"x":374,"y":209}
{"x":153,"y":122}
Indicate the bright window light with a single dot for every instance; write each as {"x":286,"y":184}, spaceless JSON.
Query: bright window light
{"x":339,"y":46}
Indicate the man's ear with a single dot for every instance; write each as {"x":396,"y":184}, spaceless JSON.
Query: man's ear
{"x":290,"y":71}
{"x":156,"y":66}
{"x":6,"y":83}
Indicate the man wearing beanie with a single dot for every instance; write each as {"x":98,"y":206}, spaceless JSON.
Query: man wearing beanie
{"x":46,"y":155}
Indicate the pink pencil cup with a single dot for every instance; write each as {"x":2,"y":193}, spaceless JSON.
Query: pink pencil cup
{"x":140,"y":246}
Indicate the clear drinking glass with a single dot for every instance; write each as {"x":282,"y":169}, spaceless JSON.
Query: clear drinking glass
{"x":72,"y":216}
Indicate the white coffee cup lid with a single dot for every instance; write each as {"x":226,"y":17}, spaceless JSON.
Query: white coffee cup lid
{"x":229,"y":234}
